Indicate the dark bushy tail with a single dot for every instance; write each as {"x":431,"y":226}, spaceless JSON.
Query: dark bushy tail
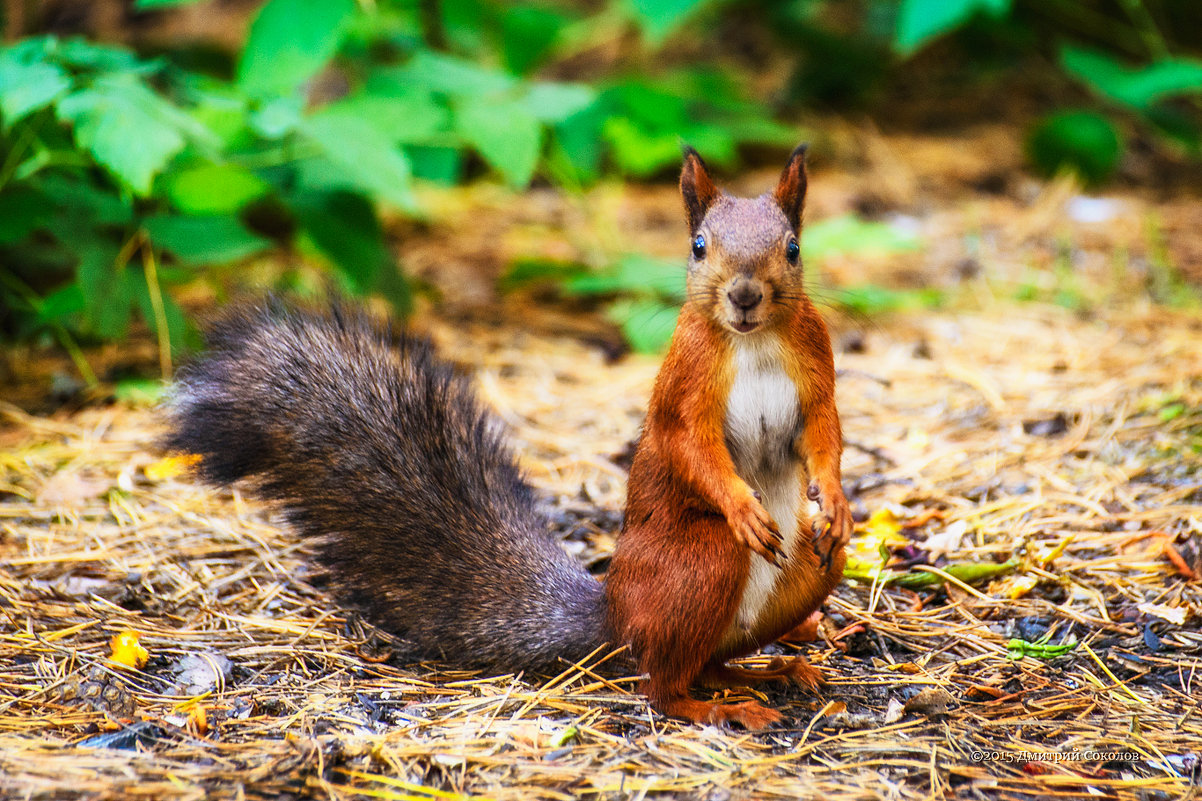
{"x":373,"y":444}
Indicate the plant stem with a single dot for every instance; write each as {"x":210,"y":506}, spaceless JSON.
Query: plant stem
{"x":1146,"y":27}
{"x":156,"y":302}
{"x":61,"y":333}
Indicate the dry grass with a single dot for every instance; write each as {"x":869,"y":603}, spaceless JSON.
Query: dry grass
{"x":919,"y":681}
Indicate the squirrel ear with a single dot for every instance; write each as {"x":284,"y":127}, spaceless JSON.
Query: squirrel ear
{"x":696,"y":187}
{"x":791,"y":190}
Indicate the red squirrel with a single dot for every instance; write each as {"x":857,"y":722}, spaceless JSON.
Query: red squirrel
{"x":373,"y":445}
{"x":715,"y":559}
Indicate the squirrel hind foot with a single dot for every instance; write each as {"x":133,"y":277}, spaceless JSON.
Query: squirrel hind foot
{"x":751,"y":715}
{"x":795,"y":670}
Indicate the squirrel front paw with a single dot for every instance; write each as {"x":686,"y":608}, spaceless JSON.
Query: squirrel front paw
{"x":754,"y":528}
{"x":833,"y":524}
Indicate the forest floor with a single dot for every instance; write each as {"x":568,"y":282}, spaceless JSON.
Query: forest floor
{"x":1025,"y":444}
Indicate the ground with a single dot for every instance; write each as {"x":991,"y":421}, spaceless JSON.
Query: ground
{"x":1035,"y":436}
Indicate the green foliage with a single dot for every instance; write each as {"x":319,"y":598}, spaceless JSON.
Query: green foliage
{"x":920,"y":21}
{"x":647,"y":295}
{"x":1144,"y":90}
{"x":1082,"y":141}
{"x":116,"y":162}
{"x":290,"y":40}
{"x":1137,"y":87}
{"x":869,"y":300}
{"x":658,"y":18}
{"x":849,"y":235}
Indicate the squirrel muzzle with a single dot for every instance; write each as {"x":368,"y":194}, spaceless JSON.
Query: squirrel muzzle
{"x":745,"y":303}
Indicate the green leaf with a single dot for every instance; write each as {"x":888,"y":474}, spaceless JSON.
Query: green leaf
{"x":343,"y":226}
{"x":555,"y":102}
{"x":289,"y":41}
{"x":847,"y":234}
{"x":209,"y":239}
{"x":213,"y":189}
{"x":102,"y":58}
{"x":127,"y":128}
{"x":25,"y":88}
{"x":576,"y":144}
{"x":22,"y":211}
{"x":656,"y":108}
{"x":636,"y":274}
{"x":637,"y":151}
{"x":277,"y":117}
{"x":1177,"y":125}
{"x":1078,"y":140}
{"x":1171,"y":412}
{"x":658,"y":18}
{"x":434,"y":72}
{"x":526,"y":271}
{"x":869,"y":299}
{"x":105,"y":288}
{"x":402,"y":117}
{"x":61,"y":305}
{"x":442,"y":165}
{"x":368,"y":158}
{"x":919,"y":21}
{"x":527,"y":33}
{"x":646,"y":323}
{"x":505,"y":133}
{"x":219,"y":107}
{"x":77,"y":197}
{"x":1138,"y":87}
{"x":141,"y":391}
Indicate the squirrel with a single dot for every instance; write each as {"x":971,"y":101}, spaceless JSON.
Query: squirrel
{"x":735,"y":520}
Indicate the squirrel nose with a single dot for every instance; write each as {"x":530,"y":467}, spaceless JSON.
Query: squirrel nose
{"x":745,"y":296}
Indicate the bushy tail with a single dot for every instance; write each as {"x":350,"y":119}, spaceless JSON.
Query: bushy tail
{"x":373,"y":444}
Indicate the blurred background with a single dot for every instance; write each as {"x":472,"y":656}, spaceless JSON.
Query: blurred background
{"x":516,"y":162}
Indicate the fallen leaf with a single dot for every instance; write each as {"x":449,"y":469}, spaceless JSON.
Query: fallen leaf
{"x":880,"y":533}
{"x":1173,"y":614}
{"x":1020,"y":586}
{"x":171,"y":466}
{"x":947,"y":541}
{"x":929,"y":702}
{"x":127,"y":651}
{"x":200,"y":673}
{"x":198,"y":721}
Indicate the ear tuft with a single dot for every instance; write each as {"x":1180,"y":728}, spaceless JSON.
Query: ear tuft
{"x":790,"y":192}
{"x":697,"y":188}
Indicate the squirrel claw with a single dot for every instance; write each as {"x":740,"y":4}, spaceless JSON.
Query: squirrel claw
{"x":832,"y":527}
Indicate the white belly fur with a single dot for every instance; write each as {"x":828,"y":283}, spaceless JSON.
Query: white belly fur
{"x":763,"y":418}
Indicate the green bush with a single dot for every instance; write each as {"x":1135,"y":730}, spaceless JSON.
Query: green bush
{"x":124,"y":174}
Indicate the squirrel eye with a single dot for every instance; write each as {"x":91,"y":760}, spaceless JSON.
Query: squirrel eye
{"x":792,"y":251}
{"x":699,"y":247}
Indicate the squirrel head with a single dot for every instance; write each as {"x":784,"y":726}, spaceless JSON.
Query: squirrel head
{"x":745,"y":260}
